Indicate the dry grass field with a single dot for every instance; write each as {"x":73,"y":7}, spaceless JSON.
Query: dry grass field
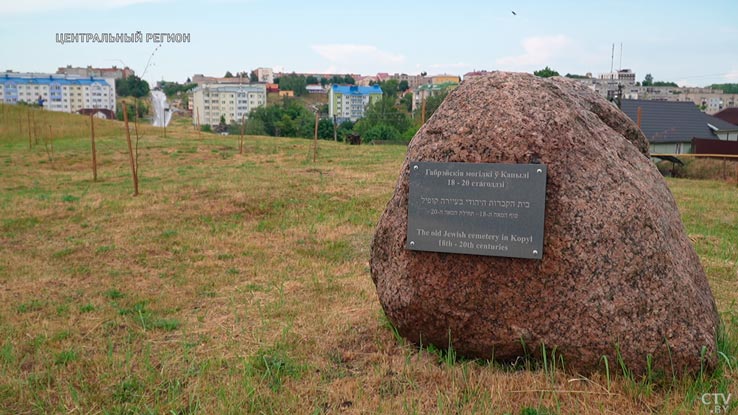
{"x":240,"y":284}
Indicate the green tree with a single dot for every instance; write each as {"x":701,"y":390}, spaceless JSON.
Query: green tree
{"x":648,"y":80}
{"x":293,"y":82}
{"x":173,"y":88}
{"x":390,"y":87}
{"x":349,"y":80}
{"x":406,"y":102}
{"x":345,"y":128}
{"x":546,"y":72}
{"x":383,"y":111}
{"x":253,"y":77}
{"x":726,"y":88}
{"x":325,"y":129}
{"x":228,"y":74}
{"x":665,"y":83}
{"x":379,"y":132}
{"x":431,"y":104}
{"x":404,"y":86}
{"x":131,"y":86}
{"x":311,"y":80}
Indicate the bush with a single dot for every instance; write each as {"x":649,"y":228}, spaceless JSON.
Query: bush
{"x":380,"y":132}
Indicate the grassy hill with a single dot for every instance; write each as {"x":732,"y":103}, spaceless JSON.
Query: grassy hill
{"x":240,"y":284}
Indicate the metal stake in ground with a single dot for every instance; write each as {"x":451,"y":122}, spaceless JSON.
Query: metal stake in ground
{"x":130,"y":152}
{"x":240,"y":139}
{"x":315,"y":139}
{"x":422,"y":119}
{"x":30,"y":139}
{"x":51,"y":143}
{"x":94,"y":152}
{"x":335,"y":129}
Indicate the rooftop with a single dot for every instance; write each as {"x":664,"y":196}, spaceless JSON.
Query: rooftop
{"x":38,"y":79}
{"x":728,"y":115}
{"x":356,"y":90}
{"x":673,"y":122}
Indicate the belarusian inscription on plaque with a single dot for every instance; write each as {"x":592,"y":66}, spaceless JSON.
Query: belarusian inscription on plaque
{"x":477,"y":208}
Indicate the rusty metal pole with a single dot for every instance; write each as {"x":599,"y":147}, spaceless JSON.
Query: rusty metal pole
{"x":198,"y":123}
{"x":51,"y":143}
{"x":130,"y":152}
{"x":240,"y":140}
{"x":30,"y":138}
{"x":94,"y":152}
{"x":315,"y":139}
{"x":422,"y":119}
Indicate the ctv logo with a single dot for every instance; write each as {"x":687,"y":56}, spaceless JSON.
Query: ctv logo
{"x":719,"y":403}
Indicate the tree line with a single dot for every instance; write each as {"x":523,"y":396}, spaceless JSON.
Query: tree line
{"x":389,"y":118}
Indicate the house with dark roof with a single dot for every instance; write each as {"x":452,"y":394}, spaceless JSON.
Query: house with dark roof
{"x":680,"y":127}
{"x":728,"y":115}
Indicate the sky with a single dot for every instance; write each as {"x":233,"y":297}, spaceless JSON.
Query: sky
{"x":691,"y":43}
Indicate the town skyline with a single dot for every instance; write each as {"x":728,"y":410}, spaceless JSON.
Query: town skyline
{"x":689,"y":44}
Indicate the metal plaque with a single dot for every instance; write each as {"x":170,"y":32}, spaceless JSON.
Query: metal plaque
{"x":477,"y":208}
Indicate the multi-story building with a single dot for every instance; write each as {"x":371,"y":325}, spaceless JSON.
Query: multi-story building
{"x":201,"y":79}
{"x":625,"y":76}
{"x":64,"y":93}
{"x":114,"y":72}
{"x":265,"y":75}
{"x":611,"y":84}
{"x":233,"y":102}
{"x":445,"y":78}
{"x":424,"y":92}
{"x":413,"y":81}
{"x":350,"y":102}
{"x":707,"y":99}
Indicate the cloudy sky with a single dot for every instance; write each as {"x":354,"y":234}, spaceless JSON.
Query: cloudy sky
{"x":692,"y":43}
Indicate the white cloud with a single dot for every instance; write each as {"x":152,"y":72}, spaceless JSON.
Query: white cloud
{"x":35,"y":6}
{"x":345,"y":56}
{"x":539,"y":50}
{"x":732,"y":76}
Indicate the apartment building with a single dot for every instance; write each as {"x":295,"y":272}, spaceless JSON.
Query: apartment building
{"x":349,"y":102}
{"x":709,"y":100}
{"x":265,"y":75}
{"x":233,"y":102}
{"x":413,"y":81}
{"x":608,"y":85}
{"x":64,"y":93}
{"x":445,"y":79}
{"x":113,"y":72}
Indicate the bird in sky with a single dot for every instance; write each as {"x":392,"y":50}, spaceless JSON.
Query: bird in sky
{"x":513,"y":12}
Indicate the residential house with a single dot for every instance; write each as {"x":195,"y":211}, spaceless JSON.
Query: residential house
{"x":233,"y":102}
{"x":681,"y":128}
{"x":64,"y":93}
{"x":424,"y":92}
{"x":113,"y":72}
{"x":265,"y":75}
{"x":445,"y":79}
{"x":348,"y":102}
{"x":413,"y":81}
{"x":315,"y":89}
{"x":728,"y":115}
